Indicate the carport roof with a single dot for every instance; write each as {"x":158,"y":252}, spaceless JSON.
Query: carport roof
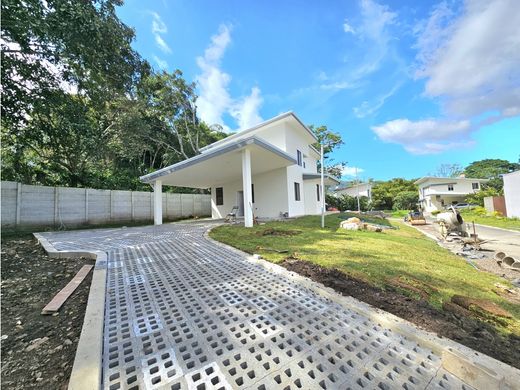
{"x":222,"y":164}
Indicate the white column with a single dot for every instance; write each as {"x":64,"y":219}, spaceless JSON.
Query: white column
{"x":246,"y":187}
{"x":157,"y":204}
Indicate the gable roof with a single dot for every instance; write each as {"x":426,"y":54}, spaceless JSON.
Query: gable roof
{"x":243,"y":133}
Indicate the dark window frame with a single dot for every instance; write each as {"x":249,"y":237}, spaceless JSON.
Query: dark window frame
{"x":475,"y":186}
{"x":219,"y":197}
{"x":450,"y":187}
{"x":318,"y":192}
{"x":297,"y":194}
{"x":299,"y":157}
{"x":252,"y":193}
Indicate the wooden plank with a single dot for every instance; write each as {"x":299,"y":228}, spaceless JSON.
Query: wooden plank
{"x":58,"y":300}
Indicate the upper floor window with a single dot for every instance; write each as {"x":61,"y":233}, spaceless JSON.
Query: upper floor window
{"x":475,"y":186}
{"x":219,"y":194}
{"x":450,"y":187}
{"x":299,"y":157}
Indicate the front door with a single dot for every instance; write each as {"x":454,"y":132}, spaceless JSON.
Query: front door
{"x":240,"y":203}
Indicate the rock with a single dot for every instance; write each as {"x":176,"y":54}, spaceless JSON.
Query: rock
{"x":4,"y":337}
{"x":349,"y":225}
{"x":18,"y":322}
{"x":67,"y":342}
{"x":353,"y":220}
{"x":36,"y":343}
{"x":372,"y":228}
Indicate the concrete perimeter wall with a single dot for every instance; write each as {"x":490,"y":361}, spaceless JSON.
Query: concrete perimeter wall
{"x":29,"y":206}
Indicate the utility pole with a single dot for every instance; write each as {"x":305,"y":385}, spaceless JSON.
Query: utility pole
{"x":322,"y":190}
{"x":357,"y":187}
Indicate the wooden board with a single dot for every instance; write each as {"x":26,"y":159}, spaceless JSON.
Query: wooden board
{"x":54,"y":305}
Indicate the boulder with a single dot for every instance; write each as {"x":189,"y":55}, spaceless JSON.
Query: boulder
{"x":349,"y":225}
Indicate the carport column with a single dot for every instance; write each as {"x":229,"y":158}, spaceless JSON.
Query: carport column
{"x":157,"y":204}
{"x":246,"y":187}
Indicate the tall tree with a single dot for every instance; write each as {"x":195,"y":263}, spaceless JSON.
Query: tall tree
{"x":331,"y":141}
{"x":448,"y":170}
{"x":491,"y":169}
{"x":385,"y":194}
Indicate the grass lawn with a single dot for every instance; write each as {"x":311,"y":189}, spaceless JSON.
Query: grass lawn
{"x":500,"y":222}
{"x":402,"y":254}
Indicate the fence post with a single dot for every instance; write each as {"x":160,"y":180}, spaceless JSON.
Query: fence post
{"x":56,"y":205}
{"x":86,"y":206}
{"x":18,"y":203}
{"x":132,"y":205}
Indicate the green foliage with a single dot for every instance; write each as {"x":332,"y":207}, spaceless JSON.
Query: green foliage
{"x":491,"y":169}
{"x":331,"y":141}
{"x":406,"y":200}
{"x":384,"y":193}
{"x":347,"y":202}
{"x":478,"y":197}
{"x":435,"y":212}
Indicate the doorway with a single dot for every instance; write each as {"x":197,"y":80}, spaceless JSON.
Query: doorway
{"x":240,"y":203}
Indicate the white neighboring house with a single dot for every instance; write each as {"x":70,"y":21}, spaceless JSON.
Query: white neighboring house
{"x":267,"y":170}
{"x":436,"y":193}
{"x":512,"y":193}
{"x":361,"y":189}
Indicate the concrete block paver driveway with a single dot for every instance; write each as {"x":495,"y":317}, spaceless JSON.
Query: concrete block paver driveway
{"x":182,"y":312}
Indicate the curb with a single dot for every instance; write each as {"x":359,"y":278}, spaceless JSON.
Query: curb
{"x":474,"y":368}
{"x":87,"y":369}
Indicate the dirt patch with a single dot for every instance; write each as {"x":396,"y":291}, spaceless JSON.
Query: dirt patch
{"x":38,"y":351}
{"x":414,"y":286}
{"x":480,"y":305}
{"x":458,"y":325}
{"x":278,"y":232}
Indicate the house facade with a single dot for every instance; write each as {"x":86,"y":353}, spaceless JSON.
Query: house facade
{"x":437,"y":193}
{"x":265,"y":171}
{"x":361,"y":189}
{"x":512,"y":193}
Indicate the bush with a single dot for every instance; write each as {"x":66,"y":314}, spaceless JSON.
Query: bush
{"x":406,"y":200}
{"x":478,"y":197}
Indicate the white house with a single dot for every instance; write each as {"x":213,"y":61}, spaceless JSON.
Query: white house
{"x":436,"y":193}
{"x":361,"y":189}
{"x":512,"y":193}
{"x":267,"y":170}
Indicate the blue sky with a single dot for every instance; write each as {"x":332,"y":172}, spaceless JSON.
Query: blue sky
{"x":409,"y":84}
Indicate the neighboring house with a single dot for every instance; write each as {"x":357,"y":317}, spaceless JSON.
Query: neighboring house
{"x":266,"y":171}
{"x":512,"y":193}
{"x":436,"y":193}
{"x":361,"y":189}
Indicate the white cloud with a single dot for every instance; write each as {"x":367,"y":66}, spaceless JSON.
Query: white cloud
{"x":470,"y":59}
{"x":475,"y":65}
{"x":347,"y":27}
{"x":424,"y":136}
{"x":351,"y":171}
{"x":368,"y":108}
{"x":159,"y":28}
{"x":160,"y":62}
{"x":214,"y":99}
{"x":246,"y":110}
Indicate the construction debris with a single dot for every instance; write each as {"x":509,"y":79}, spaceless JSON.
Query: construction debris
{"x":59,"y":299}
{"x":355,"y":223}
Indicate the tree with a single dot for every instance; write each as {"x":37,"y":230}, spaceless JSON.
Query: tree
{"x":491,"y":169}
{"x":406,"y":200}
{"x":478,"y":197}
{"x":384,"y":193}
{"x":331,"y":141}
{"x":448,"y":170}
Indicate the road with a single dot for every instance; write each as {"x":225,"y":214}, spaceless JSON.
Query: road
{"x":501,"y":240}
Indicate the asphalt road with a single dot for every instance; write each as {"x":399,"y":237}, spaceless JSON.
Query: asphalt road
{"x":501,"y":240}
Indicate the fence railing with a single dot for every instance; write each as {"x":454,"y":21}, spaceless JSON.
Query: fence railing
{"x":25,"y":205}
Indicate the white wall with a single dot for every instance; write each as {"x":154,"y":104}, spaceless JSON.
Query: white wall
{"x":362,"y":189}
{"x":440,"y":185}
{"x":312,"y":205}
{"x":271,"y":196}
{"x":27,"y":205}
{"x":512,"y":194}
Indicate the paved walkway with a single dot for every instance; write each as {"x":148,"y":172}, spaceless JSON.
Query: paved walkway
{"x":185,"y":313}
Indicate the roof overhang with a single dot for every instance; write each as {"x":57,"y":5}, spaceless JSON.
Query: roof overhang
{"x":451,"y":179}
{"x":287,"y":116}
{"x":222,"y":165}
{"x":328,"y":180}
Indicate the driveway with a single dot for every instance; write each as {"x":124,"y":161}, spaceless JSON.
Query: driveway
{"x":182,"y":312}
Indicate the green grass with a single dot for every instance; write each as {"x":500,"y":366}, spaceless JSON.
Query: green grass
{"x":373,"y":257}
{"x":398,"y":213}
{"x":491,"y":220}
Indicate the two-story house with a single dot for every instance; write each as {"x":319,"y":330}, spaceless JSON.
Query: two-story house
{"x":361,"y":189}
{"x":266,"y":171}
{"x":436,"y":193}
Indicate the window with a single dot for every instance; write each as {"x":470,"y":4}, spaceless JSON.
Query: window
{"x":474,"y":186}
{"x":299,"y":157}
{"x":450,"y":187}
{"x":253,"y":193}
{"x":219,"y":194}
{"x":297,"y":191}
{"x":304,"y":164}
{"x":318,"y":192}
